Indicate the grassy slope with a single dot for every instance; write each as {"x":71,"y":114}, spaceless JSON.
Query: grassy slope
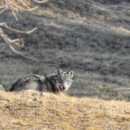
{"x":29,"y":110}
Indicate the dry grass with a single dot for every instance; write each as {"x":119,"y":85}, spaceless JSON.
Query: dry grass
{"x":29,"y":110}
{"x":20,"y":5}
{"x":16,"y":5}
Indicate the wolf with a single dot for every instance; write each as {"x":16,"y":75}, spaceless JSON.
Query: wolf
{"x":56,"y":82}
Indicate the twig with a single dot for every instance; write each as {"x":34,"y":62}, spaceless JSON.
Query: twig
{"x":10,"y":44}
{"x":4,"y":25}
{"x":40,"y":1}
{"x":2,"y":10}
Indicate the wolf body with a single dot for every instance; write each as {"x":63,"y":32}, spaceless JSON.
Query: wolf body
{"x":56,"y":82}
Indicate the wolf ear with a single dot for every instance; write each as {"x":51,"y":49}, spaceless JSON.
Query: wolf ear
{"x":71,"y":74}
{"x":64,"y":74}
{"x":59,"y":71}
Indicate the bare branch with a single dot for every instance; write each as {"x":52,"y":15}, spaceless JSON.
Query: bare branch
{"x":4,"y":25}
{"x":22,"y":54}
{"x":17,"y":5}
{"x":9,"y":41}
{"x":40,"y":1}
{"x":15,"y":42}
{"x":2,"y":9}
{"x":32,"y":9}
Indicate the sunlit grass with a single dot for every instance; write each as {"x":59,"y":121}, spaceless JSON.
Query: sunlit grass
{"x":59,"y":112}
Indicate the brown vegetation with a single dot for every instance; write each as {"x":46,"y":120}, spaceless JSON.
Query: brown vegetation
{"x":29,"y":110}
{"x":19,"y":5}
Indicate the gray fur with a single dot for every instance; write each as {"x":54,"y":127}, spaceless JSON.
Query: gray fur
{"x":57,"y":82}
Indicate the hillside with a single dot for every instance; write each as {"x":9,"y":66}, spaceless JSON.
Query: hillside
{"x":29,"y":111}
{"x":90,"y":37}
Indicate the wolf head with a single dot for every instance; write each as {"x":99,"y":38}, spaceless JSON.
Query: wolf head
{"x":60,"y":80}
{"x":65,"y":78}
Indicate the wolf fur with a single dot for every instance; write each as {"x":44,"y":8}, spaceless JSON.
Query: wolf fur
{"x":56,"y":82}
